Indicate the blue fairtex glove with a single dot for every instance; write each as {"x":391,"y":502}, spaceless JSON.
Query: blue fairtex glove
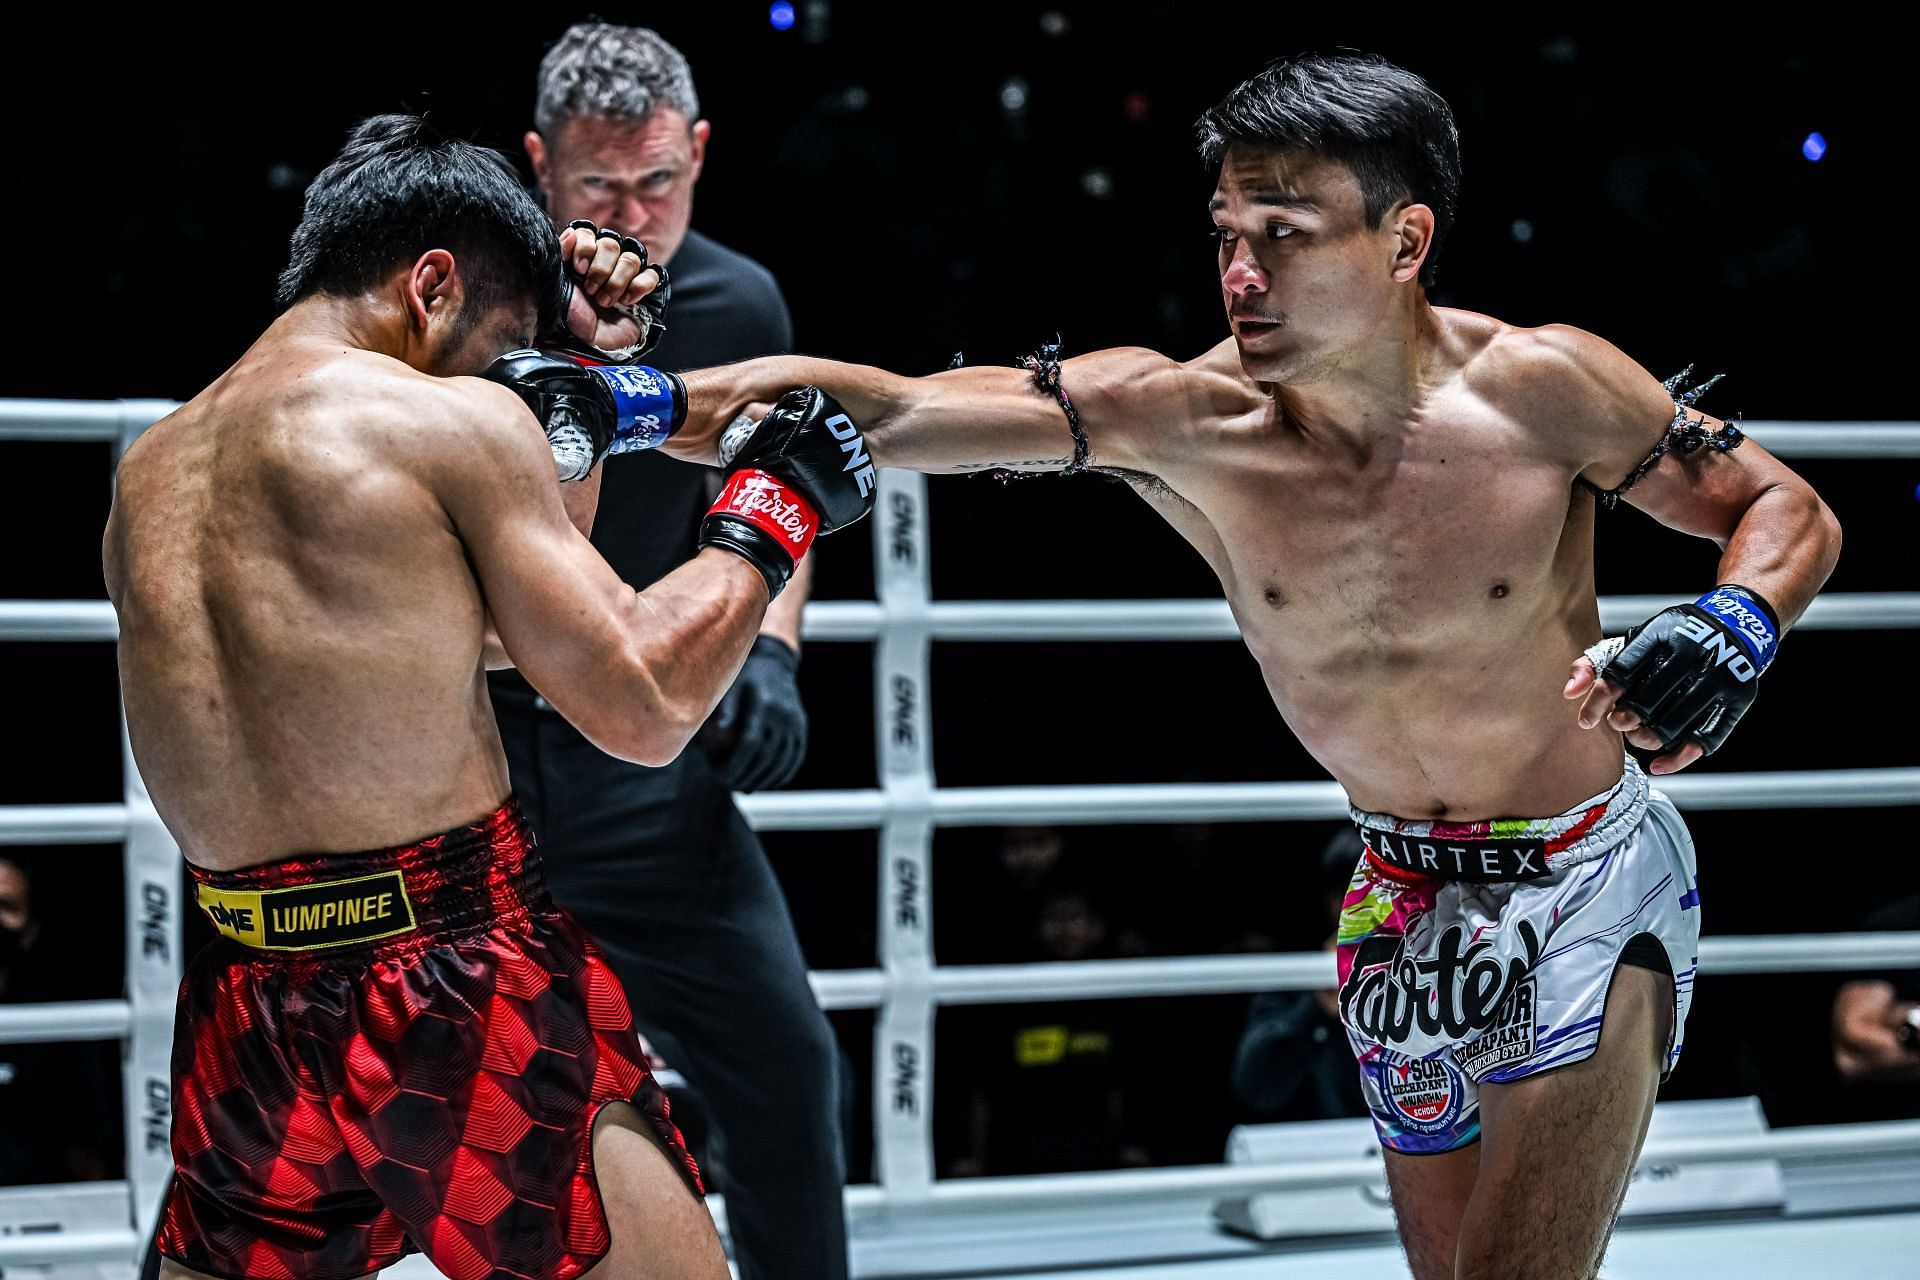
{"x":590,"y":411}
{"x":1690,"y":672}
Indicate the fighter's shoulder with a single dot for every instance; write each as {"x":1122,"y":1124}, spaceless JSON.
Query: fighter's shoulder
{"x":1208,"y":386}
{"x":475,"y":410}
{"x":449,"y":430}
{"x":1218,"y":374}
{"x":1556,"y":377}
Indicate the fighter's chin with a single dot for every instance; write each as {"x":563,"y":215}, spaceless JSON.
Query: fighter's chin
{"x":1265,"y":364}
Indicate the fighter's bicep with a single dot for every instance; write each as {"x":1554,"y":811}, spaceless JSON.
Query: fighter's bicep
{"x":970,"y":419}
{"x":1045,"y":414}
{"x":556,"y":605}
{"x":1707,"y":491}
{"x":1136,"y":405}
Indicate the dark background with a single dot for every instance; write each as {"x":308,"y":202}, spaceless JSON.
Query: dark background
{"x":932,"y":179}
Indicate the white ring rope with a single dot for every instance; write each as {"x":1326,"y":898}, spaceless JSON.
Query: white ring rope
{"x":1109,"y":805}
{"x":1060,"y":1190}
{"x":906,"y":809}
{"x":109,"y":420}
{"x":1040,"y":620}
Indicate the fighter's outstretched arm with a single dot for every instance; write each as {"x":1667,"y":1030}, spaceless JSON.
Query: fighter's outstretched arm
{"x":1132,"y":404}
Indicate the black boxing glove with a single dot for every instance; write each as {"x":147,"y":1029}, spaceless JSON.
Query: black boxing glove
{"x":757,"y":736}
{"x":590,"y":411}
{"x":650,"y":313}
{"x":1690,"y":672}
{"x":800,"y":471}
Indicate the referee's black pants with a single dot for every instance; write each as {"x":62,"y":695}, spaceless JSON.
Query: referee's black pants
{"x":659,"y":866}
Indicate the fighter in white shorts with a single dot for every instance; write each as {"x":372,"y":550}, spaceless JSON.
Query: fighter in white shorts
{"x":1400,"y":501}
{"x":1483,"y":952}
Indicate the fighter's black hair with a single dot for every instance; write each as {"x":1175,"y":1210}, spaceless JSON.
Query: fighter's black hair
{"x":1381,"y":121}
{"x":401,"y":187}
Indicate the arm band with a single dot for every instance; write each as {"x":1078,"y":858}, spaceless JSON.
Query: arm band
{"x":1683,"y":435}
{"x":1044,"y":365}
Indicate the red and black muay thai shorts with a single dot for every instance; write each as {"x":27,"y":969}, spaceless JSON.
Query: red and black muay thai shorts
{"x":398,"y":1051}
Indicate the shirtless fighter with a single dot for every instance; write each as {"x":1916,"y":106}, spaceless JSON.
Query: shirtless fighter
{"x":412,"y":1048}
{"x":1399,"y":501}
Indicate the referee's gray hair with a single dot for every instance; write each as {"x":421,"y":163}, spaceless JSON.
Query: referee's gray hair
{"x":612,"y":72}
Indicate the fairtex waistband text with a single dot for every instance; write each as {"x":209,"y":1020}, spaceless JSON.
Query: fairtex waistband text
{"x":1478,"y":860}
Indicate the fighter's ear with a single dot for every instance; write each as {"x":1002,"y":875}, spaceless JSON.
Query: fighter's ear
{"x":433,"y":286}
{"x":701,"y":131}
{"x":1413,"y":239}
{"x":537,"y":157}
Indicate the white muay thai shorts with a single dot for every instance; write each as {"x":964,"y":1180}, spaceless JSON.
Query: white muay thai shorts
{"x":1475,"y":953}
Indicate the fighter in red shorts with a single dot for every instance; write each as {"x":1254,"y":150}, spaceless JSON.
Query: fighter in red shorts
{"x":312,"y":562}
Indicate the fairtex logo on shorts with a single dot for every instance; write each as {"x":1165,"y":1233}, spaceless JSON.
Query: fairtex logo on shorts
{"x":308,"y":917}
{"x":1458,"y":991}
{"x":1426,"y":1094}
{"x":1510,"y":1041}
{"x":1477,"y":860}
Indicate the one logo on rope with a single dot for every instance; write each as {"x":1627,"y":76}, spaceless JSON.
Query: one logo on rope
{"x":1425,"y":1094}
{"x":900,"y":536}
{"x":906,"y":701}
{"x":157,"y":1125}
{"x":156,"y":909}
{"x":1458,"y":990}
{"x":1510,"y":1041}
{"x":906,"y":893}
{"x":906,"y":1078}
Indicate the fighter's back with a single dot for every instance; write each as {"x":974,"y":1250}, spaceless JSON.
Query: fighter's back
{"x":300,"y":630}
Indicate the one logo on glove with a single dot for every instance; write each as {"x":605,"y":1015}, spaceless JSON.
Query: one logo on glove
{"x":759,"y":497}
{"x":1718,"y":647}
{"x":1459,"y":990}
{"x":859,"y":461}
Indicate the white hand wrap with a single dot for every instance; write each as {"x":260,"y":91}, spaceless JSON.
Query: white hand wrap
{"x":1604,"y":652}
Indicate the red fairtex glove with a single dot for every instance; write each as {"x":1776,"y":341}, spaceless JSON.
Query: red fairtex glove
{"x":800,"y":471}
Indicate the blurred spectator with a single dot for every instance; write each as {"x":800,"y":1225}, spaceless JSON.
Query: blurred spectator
{"x":1045,"y":1083}
{"x":1294,"y":1062}
{"x":1876,"y":1024}
{"x":59,"y":1103}
{"x":18,"y":929}
{"x":999,"y":897}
